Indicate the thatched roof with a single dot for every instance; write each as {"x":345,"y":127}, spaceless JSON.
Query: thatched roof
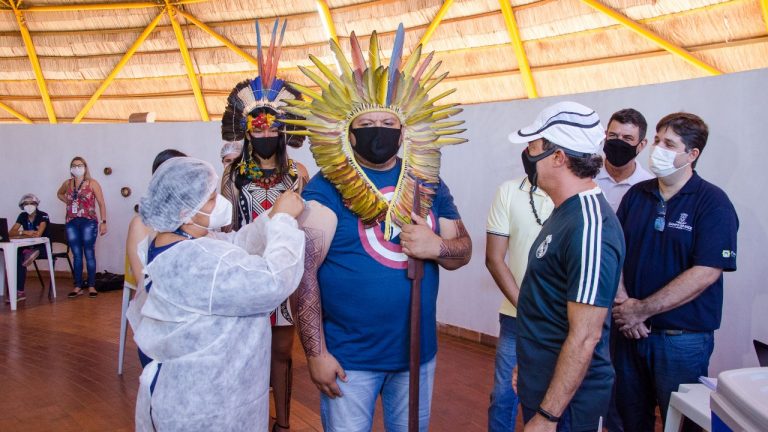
{"x":571,"y":47}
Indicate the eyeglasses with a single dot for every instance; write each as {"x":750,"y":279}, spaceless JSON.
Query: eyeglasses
{"x":661,"y":216}
{"x":28,"y":203}
{"x":77,"y":166}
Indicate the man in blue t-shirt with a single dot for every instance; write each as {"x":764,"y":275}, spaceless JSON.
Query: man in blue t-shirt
{"x":353,"y":301}
{"x":565,"y":375}
{"x":681,"y":236}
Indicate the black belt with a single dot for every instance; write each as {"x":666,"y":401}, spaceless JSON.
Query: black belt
{"x":671,"y":332}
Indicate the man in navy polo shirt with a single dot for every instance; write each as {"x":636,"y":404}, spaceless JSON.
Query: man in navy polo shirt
{"x":681,"y":235}
{"x":565,"y":374}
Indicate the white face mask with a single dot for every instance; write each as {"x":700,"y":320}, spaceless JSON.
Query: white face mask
{"x":662,"y":161}
{"x":77,"y":171}
{"x":30,"y":208}
{"x":220,"y":216}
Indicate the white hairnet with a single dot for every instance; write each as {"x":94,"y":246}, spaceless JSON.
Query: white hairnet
{"x":231,"y":147}
{"x":177,"y":191}
{"x":28,"y":197}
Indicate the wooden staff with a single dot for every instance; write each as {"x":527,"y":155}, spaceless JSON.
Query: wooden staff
{"x":415,"y":274}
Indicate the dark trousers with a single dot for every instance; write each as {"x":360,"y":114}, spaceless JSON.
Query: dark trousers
{"x":648,"y":371}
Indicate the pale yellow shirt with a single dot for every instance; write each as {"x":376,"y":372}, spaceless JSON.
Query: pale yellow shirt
{"x":511,"y":216}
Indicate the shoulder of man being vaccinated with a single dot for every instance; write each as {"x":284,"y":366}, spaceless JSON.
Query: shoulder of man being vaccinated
{"x":238,"y":273}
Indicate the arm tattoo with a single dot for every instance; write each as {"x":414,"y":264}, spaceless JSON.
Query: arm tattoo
{"x":459,"y":247}
{"x":308,"y":295}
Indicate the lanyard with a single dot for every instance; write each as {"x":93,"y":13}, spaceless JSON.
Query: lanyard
{"x":183,"y":233}
{"x":76,"y":191}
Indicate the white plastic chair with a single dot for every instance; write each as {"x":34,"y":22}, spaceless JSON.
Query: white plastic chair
{"x":127,"y":288}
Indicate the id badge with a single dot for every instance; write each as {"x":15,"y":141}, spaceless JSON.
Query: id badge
{"x":74,"y":207}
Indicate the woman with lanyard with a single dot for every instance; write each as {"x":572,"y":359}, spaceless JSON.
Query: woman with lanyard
{"x":32,"y":222}
{"x":205,"y":320}
{"x":81,"y":193}
{"x":256,"y":178}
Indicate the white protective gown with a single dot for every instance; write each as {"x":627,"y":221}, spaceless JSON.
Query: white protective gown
{"x":205,"y":321}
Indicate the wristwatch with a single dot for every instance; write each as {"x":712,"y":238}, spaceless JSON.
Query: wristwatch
{"x":547,"y":415}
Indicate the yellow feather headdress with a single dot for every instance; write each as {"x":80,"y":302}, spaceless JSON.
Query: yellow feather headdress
{"x":400,"y":88}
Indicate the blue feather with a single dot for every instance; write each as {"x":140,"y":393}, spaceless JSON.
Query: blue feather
{"x":259,"y":56}
{"x":394,"y":61}
{"x":277,"y":84}
{"x":256,"y":87}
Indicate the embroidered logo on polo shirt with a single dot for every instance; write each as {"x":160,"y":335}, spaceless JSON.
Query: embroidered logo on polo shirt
{"x":542,"y":249}
{"x":729,"y":253}
{"x":681,"y":223}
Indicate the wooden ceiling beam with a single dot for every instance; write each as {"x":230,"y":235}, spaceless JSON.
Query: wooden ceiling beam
{"x":517,"y":44}
{"x":84,"y":7}
{"x":15,"y":113}
{"x":435,"y":22}
{"x":34,"y":61}
{"x":226,"y":42}
{"x":127,"y":56}
{"x":651,"y":36}
{"x":187,"y":62}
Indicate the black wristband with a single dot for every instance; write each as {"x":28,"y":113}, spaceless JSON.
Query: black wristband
{"x":547,"y":415}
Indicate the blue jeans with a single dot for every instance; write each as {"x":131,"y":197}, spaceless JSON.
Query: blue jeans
{"x":81,"y":236}
{"x":648,"y":371}
{"x":564,"y":425}
{"x":21,"y":270}
{"x":353,"y":412}
{"x":502,"y":412}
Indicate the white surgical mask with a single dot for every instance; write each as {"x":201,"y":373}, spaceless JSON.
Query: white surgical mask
{"x":662,"y":161}
{"x":77,"y":171}
{"x":220,"y":216}
{"x":30,"y":208}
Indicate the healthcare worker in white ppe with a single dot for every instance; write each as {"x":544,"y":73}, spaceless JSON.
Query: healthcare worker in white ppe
{"x":205,"y":320}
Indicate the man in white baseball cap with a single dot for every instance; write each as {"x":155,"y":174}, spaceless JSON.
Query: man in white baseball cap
{"x":565,"y":373}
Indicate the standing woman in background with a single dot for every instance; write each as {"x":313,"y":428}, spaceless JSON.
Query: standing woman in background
{"x":254,"y":181}
{"x":81,"y":193}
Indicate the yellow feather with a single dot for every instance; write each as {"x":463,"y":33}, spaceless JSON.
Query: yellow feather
{"x":373,"y":52}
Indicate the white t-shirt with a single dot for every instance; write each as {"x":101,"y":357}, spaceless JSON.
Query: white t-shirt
{"x":511,"y":216}
{"x":613,"y":191}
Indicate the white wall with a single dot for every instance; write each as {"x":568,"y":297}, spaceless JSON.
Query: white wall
{"x":35,"y":158}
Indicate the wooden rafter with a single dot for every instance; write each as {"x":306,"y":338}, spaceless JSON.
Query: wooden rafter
{"x":127,"y":56}
{"x":435,"y":22}
{"x":15,"y":113}
{"x":517,"y":44}
{"x":651,"y":36}
{"x":327,"y":20}
{"x":34,"y":61}
{"x":229,"y":44}
{"x":82,"y":7}
{"x":187,"y":62}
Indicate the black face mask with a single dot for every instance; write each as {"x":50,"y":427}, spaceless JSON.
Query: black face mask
{"x":377,"y":144}
{"x":529,"y":163}
{"x":619,"y":152}
{"x":265,"y":147}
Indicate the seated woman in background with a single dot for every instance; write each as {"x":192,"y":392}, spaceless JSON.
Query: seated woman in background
{"x":30,"y":223}
{"x":205,"y":321}
{"x":81,"y":193}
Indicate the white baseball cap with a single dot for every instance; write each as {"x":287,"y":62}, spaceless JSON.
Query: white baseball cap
{"x":567,"y":124}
